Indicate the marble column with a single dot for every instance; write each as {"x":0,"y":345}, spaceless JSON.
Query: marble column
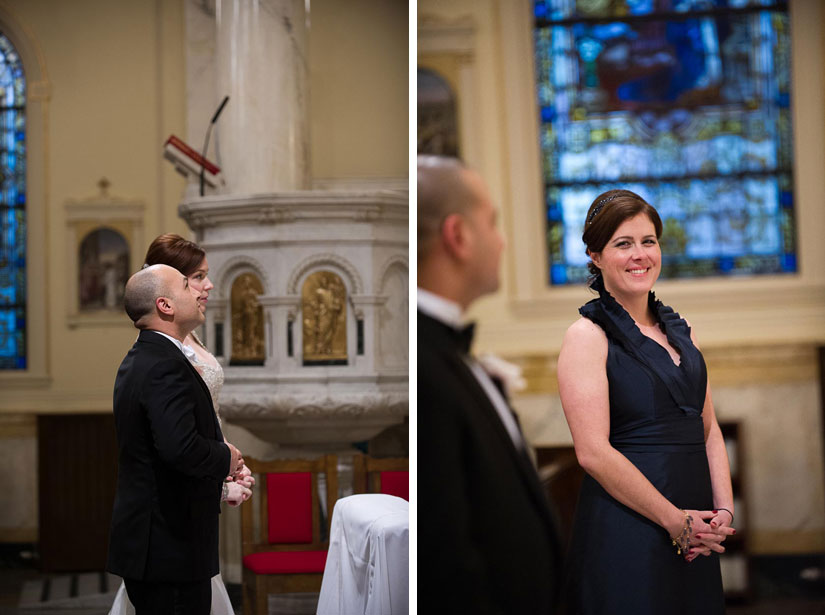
{"x":261,"y":65}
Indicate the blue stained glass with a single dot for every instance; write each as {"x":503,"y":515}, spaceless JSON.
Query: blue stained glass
{"x":558,"y":10}
{"x":558,"y":274}
{"x":12,"y":209}
{"x":684,"y":102}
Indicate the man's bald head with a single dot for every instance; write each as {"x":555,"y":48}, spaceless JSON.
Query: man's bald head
{"x":143,"y":289}
{"x":444,"y":188}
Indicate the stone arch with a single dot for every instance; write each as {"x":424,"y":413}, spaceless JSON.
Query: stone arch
{"x":397,"y":260}
{"x":236,"y":266}
{"x":393,"y":314}
{"x":34,"y":63}
{"x":338,"y":263}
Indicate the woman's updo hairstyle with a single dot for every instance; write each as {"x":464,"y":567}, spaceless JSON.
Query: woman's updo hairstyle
{"x":607,"y":212}
{"x":175,"y":251}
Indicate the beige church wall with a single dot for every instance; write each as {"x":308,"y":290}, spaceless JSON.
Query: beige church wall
{"x":358,"y":67}
{"x":105,"y":89}
{"x":759,"y":334}
{"x":357,"y":64}
{"x":114,"y":95}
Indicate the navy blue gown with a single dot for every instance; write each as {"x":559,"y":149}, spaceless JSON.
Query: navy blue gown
{"x":619,"y":561}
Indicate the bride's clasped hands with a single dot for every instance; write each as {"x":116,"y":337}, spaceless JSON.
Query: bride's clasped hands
{"x":239,"y":486}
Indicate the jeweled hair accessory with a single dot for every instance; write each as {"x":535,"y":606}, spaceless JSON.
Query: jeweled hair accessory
{"x":599,"y":206}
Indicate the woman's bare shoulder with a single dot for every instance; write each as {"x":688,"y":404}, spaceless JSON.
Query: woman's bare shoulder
{"x":584,"y":341}
{"x":584,"y":330}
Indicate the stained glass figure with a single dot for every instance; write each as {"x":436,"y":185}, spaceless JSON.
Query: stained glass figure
{"x":686,"y":103}
{"x":12,"y":208}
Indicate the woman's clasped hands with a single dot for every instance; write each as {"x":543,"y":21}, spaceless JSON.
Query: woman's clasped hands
{"x":710,"y":529}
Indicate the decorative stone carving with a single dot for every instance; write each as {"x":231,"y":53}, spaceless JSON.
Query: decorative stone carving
{"x":333,"y":267}
{"x":247,"y":321}
{"x":315,"y":419}
{"x":324,"y":307}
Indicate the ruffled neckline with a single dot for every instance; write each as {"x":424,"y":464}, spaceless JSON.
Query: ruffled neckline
{"x":622,"y":324}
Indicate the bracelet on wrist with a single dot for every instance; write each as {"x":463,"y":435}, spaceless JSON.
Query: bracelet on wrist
{"x":225,"y":492}
{"x":718,"y":508}
{"x":682,"y":541}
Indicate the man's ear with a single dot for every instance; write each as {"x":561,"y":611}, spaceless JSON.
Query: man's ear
{"x":164,"y":306}
{"x":454,"y":235}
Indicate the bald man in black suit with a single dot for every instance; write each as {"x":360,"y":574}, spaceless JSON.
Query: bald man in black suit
{"x":172,"y":458}
{"x":487,"y":542}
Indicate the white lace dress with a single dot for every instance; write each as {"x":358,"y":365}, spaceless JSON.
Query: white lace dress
{"x":212,"y":374}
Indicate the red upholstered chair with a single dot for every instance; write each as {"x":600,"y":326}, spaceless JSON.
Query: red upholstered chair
{"x":389,"y":475}
{"x":282,"y":547}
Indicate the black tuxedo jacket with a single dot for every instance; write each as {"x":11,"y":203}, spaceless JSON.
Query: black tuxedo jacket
{"x":487,"y":541}
{"x":171,"y":463}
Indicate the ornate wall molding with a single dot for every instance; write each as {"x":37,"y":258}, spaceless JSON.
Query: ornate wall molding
{"x":289,"y":207}
{"x":85,"y":216}
{"x":439,"y":35}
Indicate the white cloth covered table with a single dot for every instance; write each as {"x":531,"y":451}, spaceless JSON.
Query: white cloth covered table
{"x":368,"y":564}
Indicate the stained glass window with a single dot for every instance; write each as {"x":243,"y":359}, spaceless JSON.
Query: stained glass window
{"x":12,"y":209}
{"x":685,"y":102}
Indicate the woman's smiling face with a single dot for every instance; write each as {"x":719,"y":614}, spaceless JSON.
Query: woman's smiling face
{"x":632,"y":259}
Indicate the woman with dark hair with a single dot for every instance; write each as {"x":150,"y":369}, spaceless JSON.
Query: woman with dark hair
{"x":633,"y":385}
{"x":190,"y":259}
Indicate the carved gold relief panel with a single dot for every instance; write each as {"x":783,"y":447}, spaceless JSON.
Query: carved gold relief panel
{"x":247,"y":321}
{"x":324,"y":309}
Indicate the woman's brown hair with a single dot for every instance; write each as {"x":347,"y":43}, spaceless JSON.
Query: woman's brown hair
{"x":606,"y":214}
{"x":175,"y":251}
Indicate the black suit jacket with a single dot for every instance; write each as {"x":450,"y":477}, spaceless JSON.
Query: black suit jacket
{"x":487,"y":541}
{"x":171,"y":463}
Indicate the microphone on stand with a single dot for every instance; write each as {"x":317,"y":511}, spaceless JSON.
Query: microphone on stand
{"x":209,"y":132}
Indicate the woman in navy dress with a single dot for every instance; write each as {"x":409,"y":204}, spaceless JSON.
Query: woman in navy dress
{"x":656,"y":503}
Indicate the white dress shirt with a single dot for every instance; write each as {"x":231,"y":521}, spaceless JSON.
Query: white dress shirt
{"x":450,"y":313}
{"x":187,"y":351}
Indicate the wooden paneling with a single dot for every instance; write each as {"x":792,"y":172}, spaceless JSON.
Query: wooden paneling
{"x":77,"y":457}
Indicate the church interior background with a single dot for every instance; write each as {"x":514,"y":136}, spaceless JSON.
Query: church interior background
{"x":305,"y":228}
{"x":321,"y":243}
{"x":713,"y":111}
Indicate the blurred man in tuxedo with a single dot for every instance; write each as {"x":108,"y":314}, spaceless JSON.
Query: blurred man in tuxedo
{"x":487,"y":542}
